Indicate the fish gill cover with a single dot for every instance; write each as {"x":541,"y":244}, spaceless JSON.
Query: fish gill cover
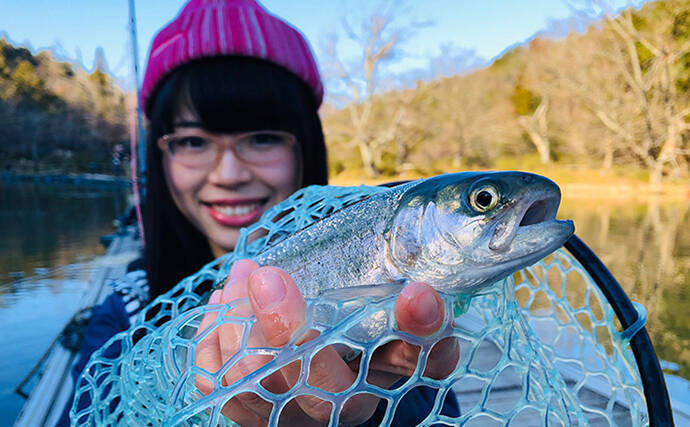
{"x":545,"y":333}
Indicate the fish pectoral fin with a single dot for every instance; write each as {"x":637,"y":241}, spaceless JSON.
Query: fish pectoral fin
{"x":369,"y":292}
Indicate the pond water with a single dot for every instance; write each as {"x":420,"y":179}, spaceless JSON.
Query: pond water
{"x":49,"y":232}
{"x":47,"y":235}
{"x":646,"y":245}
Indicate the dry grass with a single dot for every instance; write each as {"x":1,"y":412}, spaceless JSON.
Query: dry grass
{"x":575,"y":183}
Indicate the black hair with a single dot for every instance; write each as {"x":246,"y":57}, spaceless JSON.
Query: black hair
{"x":228,"y":94}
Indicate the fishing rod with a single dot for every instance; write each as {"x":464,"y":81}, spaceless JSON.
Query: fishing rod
{"x":137,"y":133}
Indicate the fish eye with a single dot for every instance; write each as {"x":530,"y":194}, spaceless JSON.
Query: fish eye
{"x":484,"y":198}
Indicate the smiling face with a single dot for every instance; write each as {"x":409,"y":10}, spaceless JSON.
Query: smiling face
{"x":222,"y":199}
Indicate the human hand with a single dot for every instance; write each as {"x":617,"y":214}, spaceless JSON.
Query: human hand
{"x":280,"y":311}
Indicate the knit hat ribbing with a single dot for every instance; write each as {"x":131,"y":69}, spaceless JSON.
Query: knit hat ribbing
{"x":208,"y":28}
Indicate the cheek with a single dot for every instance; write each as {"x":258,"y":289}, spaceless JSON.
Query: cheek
{"x":182,"y":182}
{"x":284,"y":178}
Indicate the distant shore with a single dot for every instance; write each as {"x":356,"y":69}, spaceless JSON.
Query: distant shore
{"x":575,"y":184}
{"x":76,"y":179}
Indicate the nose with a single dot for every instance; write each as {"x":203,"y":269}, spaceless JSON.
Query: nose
{"x":230,"y":171}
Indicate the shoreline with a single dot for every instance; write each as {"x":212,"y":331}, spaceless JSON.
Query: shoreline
{"x":615,"y":188}
{"x":71,"y":179}
{"x":627,"y":191}
{"x":583,"y":185}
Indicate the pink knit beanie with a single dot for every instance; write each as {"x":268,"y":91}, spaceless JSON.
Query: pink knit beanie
{"x":207,"y":28}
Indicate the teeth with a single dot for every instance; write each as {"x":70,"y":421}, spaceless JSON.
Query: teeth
{"x":236,"y":210}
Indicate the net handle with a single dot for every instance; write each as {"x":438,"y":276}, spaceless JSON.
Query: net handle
{"x":656,"y":395}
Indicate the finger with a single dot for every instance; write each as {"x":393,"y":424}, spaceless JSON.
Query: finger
{"x":391,"y":362}
{"x":240,"y":414}
{"x":231,"y":337}
{"x":419,"y":309}
{"x":328,"y":371}
{"x":211,"y":316}
{"x":280,"y":310}
{"x":231,"y":334}
{"x":242,"y":268}
{"x":277,"y":303}
{"x":443,"y":359}
{"x":207,"y":353}
{"x":399,"y":358}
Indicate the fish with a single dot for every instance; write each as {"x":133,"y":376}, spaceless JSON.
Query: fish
{"x":458,"y":232}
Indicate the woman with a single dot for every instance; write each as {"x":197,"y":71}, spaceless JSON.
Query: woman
{"x":232,"y":95}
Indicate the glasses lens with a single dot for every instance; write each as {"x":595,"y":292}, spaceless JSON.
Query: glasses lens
{"x":192,"y":150}
{"x":259,"y":148}
{"x":265,"y":146}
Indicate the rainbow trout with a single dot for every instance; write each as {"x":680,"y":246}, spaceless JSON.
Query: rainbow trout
{"x":458,"y":232}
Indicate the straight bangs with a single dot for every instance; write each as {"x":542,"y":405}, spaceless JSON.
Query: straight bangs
{"x":250,"y":94}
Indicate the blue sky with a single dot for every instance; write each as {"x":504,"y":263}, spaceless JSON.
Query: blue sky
{"x":75,"y":28}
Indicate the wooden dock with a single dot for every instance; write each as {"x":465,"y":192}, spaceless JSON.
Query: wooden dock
{"x":48,"y":398}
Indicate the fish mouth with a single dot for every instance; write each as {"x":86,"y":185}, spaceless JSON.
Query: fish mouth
{"x":534,"y":242}
{"x":536,"y":233}
{"x":540,"y":210}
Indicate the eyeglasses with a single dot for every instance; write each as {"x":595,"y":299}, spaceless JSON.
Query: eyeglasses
{"x":202,"y":150}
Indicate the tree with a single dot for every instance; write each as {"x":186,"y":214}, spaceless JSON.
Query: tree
{"x":379,"y":40}
{"x":51,"y":111}
{"x":531,"y":116}
{"x":631,"y":84}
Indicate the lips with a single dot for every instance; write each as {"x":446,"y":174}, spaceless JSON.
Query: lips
{"x":235,"y":212}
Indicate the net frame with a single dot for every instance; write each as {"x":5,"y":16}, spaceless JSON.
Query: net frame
{"x":654,"y":385}
{"x":103,"y":370}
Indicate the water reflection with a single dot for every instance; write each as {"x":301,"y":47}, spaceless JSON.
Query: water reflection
{"x":646,"y":245}
{"x":47,"y":234}
{"x":45,"y":226}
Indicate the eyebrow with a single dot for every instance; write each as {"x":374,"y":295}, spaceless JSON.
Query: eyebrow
{"x":188,"y":124}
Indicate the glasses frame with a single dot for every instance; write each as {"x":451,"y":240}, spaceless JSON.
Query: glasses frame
{"x":226,"y":142}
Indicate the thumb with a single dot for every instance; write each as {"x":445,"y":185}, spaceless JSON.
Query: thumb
{"x":277,"y":303}
{"x":419,"y":309}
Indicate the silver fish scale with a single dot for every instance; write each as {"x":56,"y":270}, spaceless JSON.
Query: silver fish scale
{"x":343,"y":250}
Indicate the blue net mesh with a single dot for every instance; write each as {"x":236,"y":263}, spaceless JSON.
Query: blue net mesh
{"x":540,"y":347}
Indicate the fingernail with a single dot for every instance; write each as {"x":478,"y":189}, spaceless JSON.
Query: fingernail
{"x":240,"y":269}
{"x":233,"y":271}
{"x":268,"y":289}
{"x":215,"y":297}
{"x":425,"y":308}
{"x":228,"y":290}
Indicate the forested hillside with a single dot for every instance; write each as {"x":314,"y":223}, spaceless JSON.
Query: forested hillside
{"x":55,"y":116}
{"x":614,"y":96}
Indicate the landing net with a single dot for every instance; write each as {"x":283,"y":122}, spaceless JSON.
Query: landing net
{"x":541,"y":347}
